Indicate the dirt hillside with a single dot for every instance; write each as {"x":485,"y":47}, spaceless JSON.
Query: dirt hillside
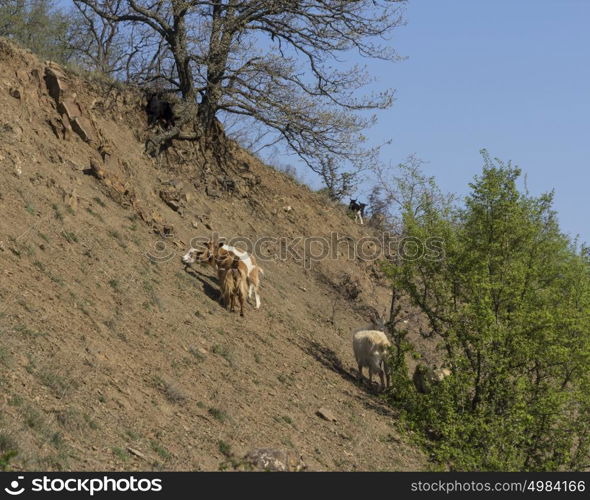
{"x":113,"y":356}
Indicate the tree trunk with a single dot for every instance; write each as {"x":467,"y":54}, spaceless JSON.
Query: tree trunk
{"x":178,"y":45}
{"x":222,"y":31}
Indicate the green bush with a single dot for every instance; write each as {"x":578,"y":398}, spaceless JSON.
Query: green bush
{"x":508,"y":300}
{"x":8,"y":450}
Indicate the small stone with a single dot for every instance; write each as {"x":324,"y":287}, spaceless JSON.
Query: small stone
{"x":213,"y":193}
{"x":174,"y":205}
{"x":135,"y":452}
{"x":326,"y":414}
{"x":273,"y":460}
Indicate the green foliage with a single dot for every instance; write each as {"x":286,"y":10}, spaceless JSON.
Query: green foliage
{"x":8,"y":450}
{"x":217,"y":414}
{"x":37,"y":25}
{"x":5,"y":459}
{"x":224,"y":448}
{"x":121,"y":454}
{"x":161,"y":451}
{"x":509,"y":303}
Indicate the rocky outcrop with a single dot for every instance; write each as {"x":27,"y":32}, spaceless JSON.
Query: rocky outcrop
{"x":72,"y":114}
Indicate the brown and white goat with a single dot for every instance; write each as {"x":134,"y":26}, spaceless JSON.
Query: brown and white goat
{"x":215,"y":254}
{"x":233,"y":283}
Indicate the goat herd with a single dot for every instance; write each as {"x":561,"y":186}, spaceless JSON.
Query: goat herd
{"x":237,"y":272}
{"x":239,"y":277}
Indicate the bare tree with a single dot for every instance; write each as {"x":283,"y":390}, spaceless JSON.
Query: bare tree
{"x":97,"y":43}
{"x":338,"y":183}
{"x":275,"y":61}
{"x":404,"y":188}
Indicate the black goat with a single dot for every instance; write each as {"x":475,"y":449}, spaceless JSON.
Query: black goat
{"x":160,"y":111}
{"x":358,"y":209}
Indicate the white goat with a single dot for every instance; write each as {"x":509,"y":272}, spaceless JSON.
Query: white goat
{"x":425,"y":378}
{"x":370,"y":349}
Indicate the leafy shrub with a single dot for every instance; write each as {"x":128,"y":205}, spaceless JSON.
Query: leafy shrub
{"x":509,"y":302}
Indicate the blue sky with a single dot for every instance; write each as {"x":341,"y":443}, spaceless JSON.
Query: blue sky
{"x":509,"y":76}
